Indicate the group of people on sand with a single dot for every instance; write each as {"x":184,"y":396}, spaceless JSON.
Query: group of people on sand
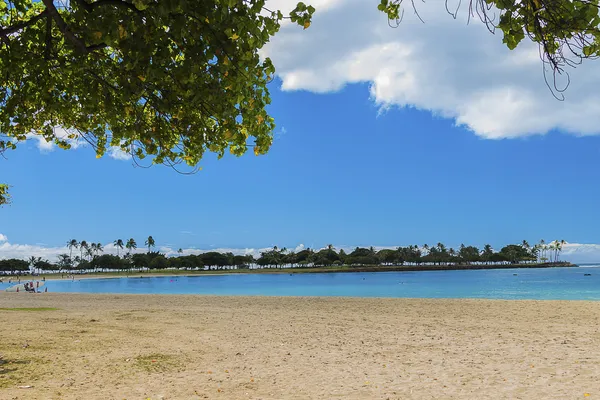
{"x":30,"y":287}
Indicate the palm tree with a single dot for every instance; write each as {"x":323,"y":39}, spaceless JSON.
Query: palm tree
{"x":180,"y":251}
{"x":99,"y":248}
{"x":131,"y":245}
{"x":452,"y":254}
{"x":92,"y":251}
{"x":542,"y":250}
{"x":535,"y":252}
{"x":33,"y":261}
{"x":72,"y":243}
{"x":556,"y":249}
{"x":96,"y":248}
{"x":487,"y":253}
{"x":64,"y":261}
{"x":119,"y":245}
{"x":83,"y":247}
{"x":528,"y":249}
{"x":89,"y":251}
{"x":557,"y":246}
{"x":562,"y":243}
{"x":150,"y":243}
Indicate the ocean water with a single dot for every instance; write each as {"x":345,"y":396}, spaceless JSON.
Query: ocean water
{"x":550,"y":283}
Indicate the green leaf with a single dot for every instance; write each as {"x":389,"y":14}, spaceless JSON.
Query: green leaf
{"x":169,"y":80}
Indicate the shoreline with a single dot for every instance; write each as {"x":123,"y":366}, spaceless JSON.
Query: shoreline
{"x":252,"y":297}
{"x":299,"y":270}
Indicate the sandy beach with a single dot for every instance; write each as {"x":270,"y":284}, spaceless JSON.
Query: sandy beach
{"x":196,"y":347}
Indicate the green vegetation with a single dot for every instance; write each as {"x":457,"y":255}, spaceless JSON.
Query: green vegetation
{"x":168,"y":80}
{"x":400,"y":258}
{"x":4,"y":196}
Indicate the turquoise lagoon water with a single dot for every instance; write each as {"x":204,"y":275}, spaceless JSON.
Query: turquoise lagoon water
{"x":551,"y":283}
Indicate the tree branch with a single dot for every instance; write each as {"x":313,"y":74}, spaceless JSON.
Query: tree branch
{"x":48,"y":50}
{"x":98,"y":46}
{"x":119,"y":3}
{"x":64,"y":28}
{"x":24,"y":24}
{"x":84,"y":4}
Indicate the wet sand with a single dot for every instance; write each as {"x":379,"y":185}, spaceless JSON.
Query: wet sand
{"x":207,"y":347}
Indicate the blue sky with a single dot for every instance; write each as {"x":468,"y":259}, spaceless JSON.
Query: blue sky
{"x":338,"y":172}
{"x":385,"y":137}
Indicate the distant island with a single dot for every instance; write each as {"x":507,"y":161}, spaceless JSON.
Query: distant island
{"x":91,"y":259}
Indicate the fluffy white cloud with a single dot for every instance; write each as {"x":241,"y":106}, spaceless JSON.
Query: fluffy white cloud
{"x":24,"y":251}
{"x":47,"y":147}
{"x":452,"y":69}
{"x":61,"y":133}
{"x":41,"y":143}
{"x":118,"y":154}
{"x":169,"y":251}
{"x":581,"y":253}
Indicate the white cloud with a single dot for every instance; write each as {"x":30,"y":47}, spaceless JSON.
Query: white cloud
{"x":61,"y":133}
{"x":581,"y":253}
{"x":113,"y":152}
{"x":24,"y":251}
{"x":452,"y":69}
{"x":118,"y":154}
{"x":3,"y":238}
{"x":280,"y":132}
{"x":41,"y":143}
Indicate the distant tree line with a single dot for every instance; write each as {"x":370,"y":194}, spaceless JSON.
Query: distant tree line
{"x":91,"y":257}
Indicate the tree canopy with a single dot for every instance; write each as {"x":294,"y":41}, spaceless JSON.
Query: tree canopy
{"x":425,"y":257}
{"x":162,"y":79}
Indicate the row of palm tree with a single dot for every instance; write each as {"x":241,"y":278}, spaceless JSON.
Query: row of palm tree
{"x":548,"y":251}
{"x":90,"y":252}
{"x":86,"y":249}
{"x":434,"y":255}
{"x":541,"y":252}
{"x":130,"y":245}
{"x":438,"y":254}
{"x":94,"y":249}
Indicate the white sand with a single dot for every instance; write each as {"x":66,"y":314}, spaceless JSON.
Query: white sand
{"x":103,"y":347}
